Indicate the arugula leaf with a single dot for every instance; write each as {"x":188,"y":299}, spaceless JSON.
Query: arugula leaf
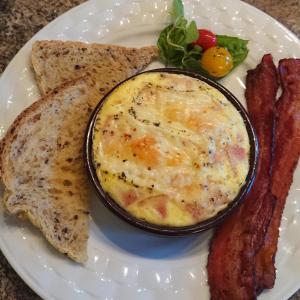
{"x":173,"y":41}
{"x":191,"y":59}
{"x":177,"y":10}
{"x":171,"y":46}
{"x":177,"y":33}
{"x":190,"y":63}
{"x":236,"y":46}
{"x":176,"y":48}
{"x":191,"y":33}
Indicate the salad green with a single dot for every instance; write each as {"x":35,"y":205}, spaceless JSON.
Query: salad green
{"x":236,"y":46}
{"x":174,"y":40}
{"x":176,"y":43}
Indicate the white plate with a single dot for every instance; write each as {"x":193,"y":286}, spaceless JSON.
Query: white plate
{"x":126,"y":263}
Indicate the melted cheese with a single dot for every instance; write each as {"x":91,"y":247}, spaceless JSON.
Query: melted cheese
{"x":170,"y":149}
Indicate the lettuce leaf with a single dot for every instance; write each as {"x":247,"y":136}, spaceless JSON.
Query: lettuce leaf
{"x":177,"y":10}
{"x":236,"y":46}
{"x":176,"y":48}
{"x":173,"y":42}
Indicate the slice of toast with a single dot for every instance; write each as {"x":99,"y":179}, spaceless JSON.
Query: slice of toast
{"x":42,"y":167}
{"x":55,"y":62}
{"x":41,"y":162}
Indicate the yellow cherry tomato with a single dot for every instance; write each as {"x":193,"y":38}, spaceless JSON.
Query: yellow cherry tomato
{"x":217,"y":61}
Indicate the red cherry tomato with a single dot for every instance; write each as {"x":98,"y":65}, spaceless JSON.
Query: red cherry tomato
{"x":206,"y":39}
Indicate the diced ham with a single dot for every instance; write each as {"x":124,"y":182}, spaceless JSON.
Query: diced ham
{"x":240,"y":137}
{"x":236,"y":154}
{"x":195,"y":211}
{"x":129,"y":197}
{"x":158,"y":202}
{"x":161,"y":206}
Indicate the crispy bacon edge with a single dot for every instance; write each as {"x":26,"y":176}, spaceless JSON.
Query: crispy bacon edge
{"x":286,"y":155}
{"x":231,"y":261}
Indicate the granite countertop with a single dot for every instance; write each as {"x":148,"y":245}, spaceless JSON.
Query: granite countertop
{"x":21,"y":19}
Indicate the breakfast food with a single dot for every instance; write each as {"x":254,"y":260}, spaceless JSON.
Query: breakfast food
{"x":170,"y":149}
{"x":42,"y":169}
{"x":286,"y":156}
{"x":41,"y":162}
{"x":55,"y":62}
{"x":182,"y":44}
{"x":231,"y":261}
{"x":242,"y":252}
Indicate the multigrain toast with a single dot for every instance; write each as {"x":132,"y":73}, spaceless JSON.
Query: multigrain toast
{"x":41,"y":161}
{"x":56,"y":62}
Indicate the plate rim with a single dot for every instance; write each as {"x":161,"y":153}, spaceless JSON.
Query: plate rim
{"x":45,"y":294}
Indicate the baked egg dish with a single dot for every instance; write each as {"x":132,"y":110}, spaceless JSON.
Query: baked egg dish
{"x":170,"y":149}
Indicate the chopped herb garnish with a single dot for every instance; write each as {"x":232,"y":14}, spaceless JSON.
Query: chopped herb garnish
{"x":122,"y":176}
{"x":132,"y":112}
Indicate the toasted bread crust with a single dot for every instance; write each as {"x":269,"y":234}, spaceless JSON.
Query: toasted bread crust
{"x":51,"y":214}
{"x":55,"y":62}
{"x":41,"y":161}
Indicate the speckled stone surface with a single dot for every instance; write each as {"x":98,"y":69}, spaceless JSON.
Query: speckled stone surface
{"x":21,"y":19}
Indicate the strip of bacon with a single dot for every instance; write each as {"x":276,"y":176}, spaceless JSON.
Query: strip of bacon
{"x":286,"y":155}
{"x":231,"y":262}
